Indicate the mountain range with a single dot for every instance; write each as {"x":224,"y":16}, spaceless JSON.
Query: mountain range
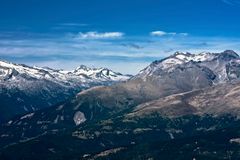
{"x":25,"y":89}
{"x":185,"y":106}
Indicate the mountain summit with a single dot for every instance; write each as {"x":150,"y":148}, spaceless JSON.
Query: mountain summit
{"x":102,"y":74}
{"x":224,"y":65}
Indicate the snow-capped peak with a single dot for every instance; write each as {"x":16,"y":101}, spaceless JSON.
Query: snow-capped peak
{"x":99,"y":73}
{"x":82,"y":75}
{"x":204,"y":56}
{"x":186,"y":57}
{"x":181,"y":57}
{"x":216,"y":61}
{"x":83,"y":67}
{"x":8,"y":68}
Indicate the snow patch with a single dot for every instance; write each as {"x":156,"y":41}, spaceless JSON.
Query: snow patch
{"x":27,"y":116}
{"x":235,"y":140}
{"x":79,"y":118}
{"x":56,"y":119}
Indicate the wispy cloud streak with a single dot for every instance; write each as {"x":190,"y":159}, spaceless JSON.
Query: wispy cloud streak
{"x":97,"y":35}
{"x":163,"y":33}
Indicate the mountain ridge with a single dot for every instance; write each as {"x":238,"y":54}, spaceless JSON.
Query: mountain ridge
{"x":25,"y":89}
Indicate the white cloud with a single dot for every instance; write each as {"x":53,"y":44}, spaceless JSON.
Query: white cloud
{"x":158,"y":33}
{"x":163,"y":33}
{"x":98,"y":35}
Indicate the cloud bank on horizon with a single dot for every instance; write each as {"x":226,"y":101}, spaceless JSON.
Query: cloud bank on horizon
{"x":124,"y":36}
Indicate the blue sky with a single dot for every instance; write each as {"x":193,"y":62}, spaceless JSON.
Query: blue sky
{"x":124,"y":35}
